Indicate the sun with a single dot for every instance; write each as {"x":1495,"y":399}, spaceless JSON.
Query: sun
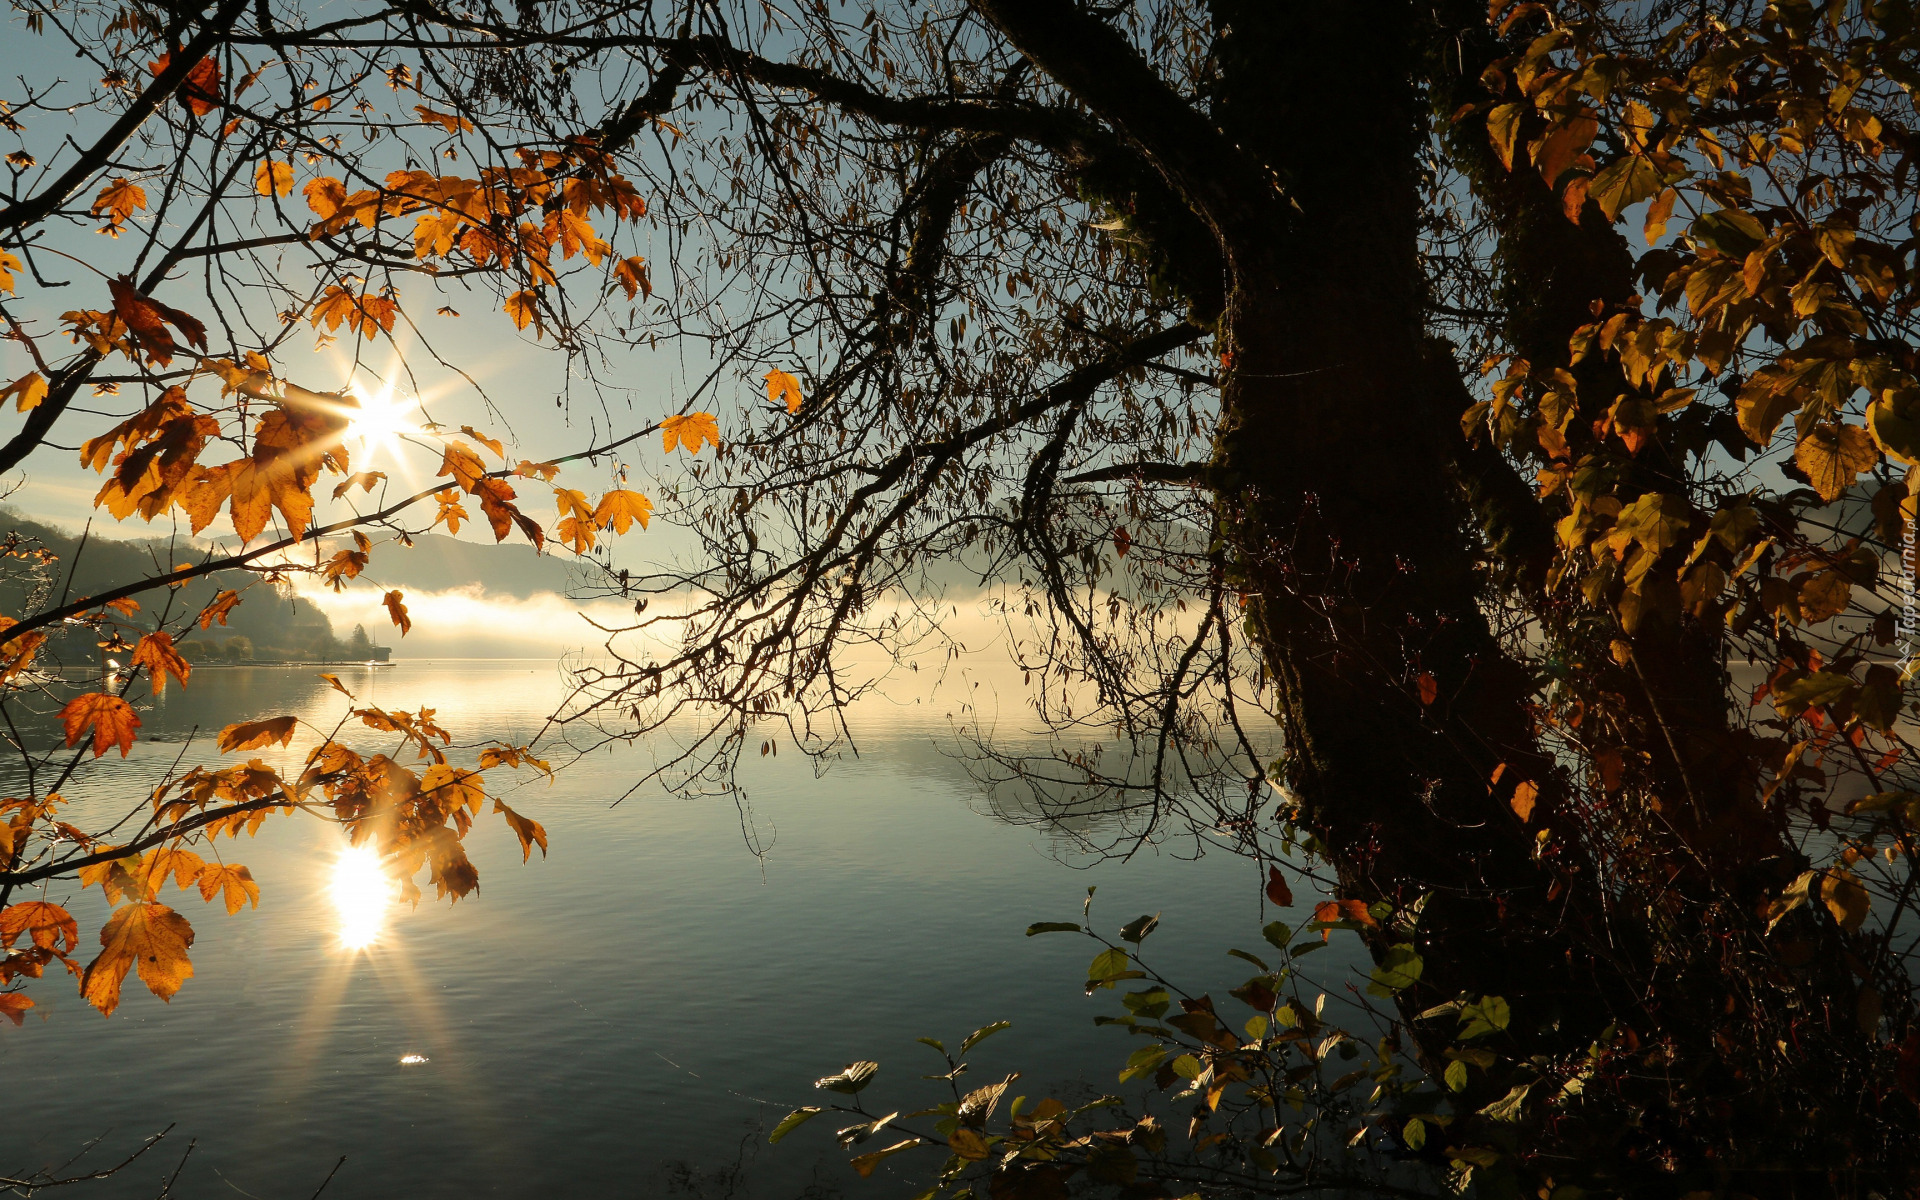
{"x":380,"y":420}
{"x":362,"y":892}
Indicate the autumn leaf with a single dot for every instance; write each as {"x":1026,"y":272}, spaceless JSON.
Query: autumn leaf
{"x":1277,"y":890}
{"x":156,"y":653}
{"x":1330,"y":911}
{"x":111,"y":719}
{"x":200,"y":91}
{"x":8,"y":265}
{"x":368,"y":313}
{"x":528,"y":831}
{"x":27,"y":391}
{"x":218,"y":608}
{"x":689,"y":431}
{"x":463,"y":464}
{"x":630,"y":274}
{"x":326,"y":196}
{"x":14,"y":1006}
{"x":1833,"y":456}
{"x":451,"y":122}
{"x":273,"y":178}
{"x":493,"y":444}
{"x":119,"y":200}
{"x":452,"y":512}
{"x":46,"y":926}
{"x":147,"y":319}
{"x":1525,"y":794}
{"x":621,"y":508}
{"x":126,"y":606}
{"x":232,"y":881}
{"x":151,"y":936}
{"x":364,"y":479}
{"x":524,"y":308}
{"x":398,"y":611}
{"x":453,"y":787}
{"x":251,"y":735}
{"x":1503,"y":128}
{"x":1429,"y":688}
{"x":783,"y":388}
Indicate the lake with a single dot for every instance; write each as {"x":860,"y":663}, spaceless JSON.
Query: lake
{"x":632,"y":1014}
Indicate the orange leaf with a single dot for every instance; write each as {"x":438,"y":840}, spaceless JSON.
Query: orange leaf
{"x":111,"y":719}
{"x":782,"y":387}
{"x":523,"y":307}
{"x":690,"y":431}
{"x":326,"y":196}
{"x":529,"y":832}
{"x":273,"y":178}
{"x":451,"y":122}
{"x":119,"y":200}
{"x":251,"y":735}
{"x":493,"y":444}
{"x":157,"y":654}
{"x":1525,"y":794}
{"x":200,"y":91}
{"x":218,"y":609}
{"x":1429,"y":689}
{"x":630,"y":274}
{"x":1342,"y":910}
{"x":398,"y":611}
{"x":46,"y":925}
{"x":151,"y":935}
{"x":13,"y":1006}
{"x":125,"y":606}
{"x":463,"y":464}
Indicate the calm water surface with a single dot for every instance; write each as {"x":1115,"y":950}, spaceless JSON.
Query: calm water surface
{"x":629,"y":1016}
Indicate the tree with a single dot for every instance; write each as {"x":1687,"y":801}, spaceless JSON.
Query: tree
{"x":1293,"y":361}
{"x":154,"y":254}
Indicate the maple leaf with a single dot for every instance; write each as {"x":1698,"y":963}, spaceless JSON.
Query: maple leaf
{"x":156,"y":653}
{"x":232,"y":880}
{"x":367,"y":313}
{"x":151,"y":936}
{"x":453,"y":787}
{"x":366,"y":480}
{"x":200,"y":91}
{"x":326,"y":196}
{"x":493,"y":444}
{"x":119,"y":200}
{"x":528,"y":831}
{"x":184,"y":865}
{"x":14,"y":1006}
{"x":273,"y":178}
{"x":46,"y":926}
{"x":111,"y":719}
{"x":523,"y":307}
{"x":398,"y":611}
{"x":8,"y":265}
{"x":452,"y":512}
{"x":251,"y":735}
{"x":463,"y":464}
{"x":513,"y":756}
{"x":783,"y":388}
{"x":630,"y":274}
{"x":126,"y":606}
{"x":690,"y":431}
{"x":28,"y":391}
{"x":621,"y":508}
{"x":451,"y":122}
{"x":218,"y":608}
{"x":147,"y":319}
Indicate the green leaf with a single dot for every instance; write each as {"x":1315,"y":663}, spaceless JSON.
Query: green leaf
{"x":1415,"y":1134}
{"x":1623,"y":185}
{"x":1250,"y":958}
{"x":1136,"y":930}
{"x":1186,"y":1067}
{"x":1456,"y":1076}
{"x":936,"y":1043}
{"x":982,"y":1034}
{"x":1277,"y":933}
{"x":848,"y":1082}
{"x":1478,"y":1020}
{"x":1107,"y":965}
{"x":791,"y":1122}
{"x":1151,"y":1003}
{"x":1730,"y":231}
{"x":1143,"y":1061}
{"x":1507,"y":1108}
{"x":1052,"y":927}
{"x":1399,"y":968}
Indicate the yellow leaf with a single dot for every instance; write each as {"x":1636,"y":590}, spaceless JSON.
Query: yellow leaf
{"x":1846,"y":899}
{"x":28,"y":390}
{"x":621,"y":508}
{"x":150,"y":935}
{"x":492,"y":444}
{"x":8,"y":265}
{"x":630,"y":274}
{"x":273,"y":178}
{"x":326,"y":196}
{"x":528,"y":831}
{"x":1525,"y":794}
{"x":1833,"y":457}
{"x":46,"y":925}
{"x":451,"y":122}
{"x":453,"y":787}
{"x":118,"y":200}
{"x":783,"y":388}
{"x":690,"y":431}
{"x":523,"y":307}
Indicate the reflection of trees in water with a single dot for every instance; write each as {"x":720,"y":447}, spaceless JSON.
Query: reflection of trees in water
{"x":711,"y":1179}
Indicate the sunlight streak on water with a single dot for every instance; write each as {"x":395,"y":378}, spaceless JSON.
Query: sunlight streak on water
{"x":361,"y":893}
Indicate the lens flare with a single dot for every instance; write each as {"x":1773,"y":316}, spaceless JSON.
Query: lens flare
{"x":380,"y":420}
{"x":362,"y":893}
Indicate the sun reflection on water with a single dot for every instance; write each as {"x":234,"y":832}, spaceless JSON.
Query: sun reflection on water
{"x":362,"y":893}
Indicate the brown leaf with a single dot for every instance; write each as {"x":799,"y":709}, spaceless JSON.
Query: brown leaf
{"x":111,"y":719}
{"x":1277,"y":889}
{"x":1834,"y":456}
{"x":1429,"y":688}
